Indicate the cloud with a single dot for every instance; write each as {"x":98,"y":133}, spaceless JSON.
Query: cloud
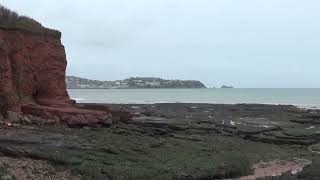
{"x":248,"y":43}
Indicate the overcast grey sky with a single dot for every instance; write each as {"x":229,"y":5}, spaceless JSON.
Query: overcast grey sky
{"x":245,"y":43}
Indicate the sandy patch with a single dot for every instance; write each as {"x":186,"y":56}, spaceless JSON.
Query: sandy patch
{"x":276,"y":168}
{"x":26,"y":169}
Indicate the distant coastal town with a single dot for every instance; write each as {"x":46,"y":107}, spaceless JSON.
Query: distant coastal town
{"x":131,"y":83}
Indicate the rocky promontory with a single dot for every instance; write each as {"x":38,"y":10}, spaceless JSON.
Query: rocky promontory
{"x":131,"y":83}
{"x":162,"y":141}
{"x":226,"y":87}
{"x":32,"y":74}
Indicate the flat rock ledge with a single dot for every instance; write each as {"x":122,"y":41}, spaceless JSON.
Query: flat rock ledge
{"x":85,"y":115}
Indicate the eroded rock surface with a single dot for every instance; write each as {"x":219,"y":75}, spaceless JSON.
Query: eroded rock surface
{"x":32,"y":75}
{"x":175,"y":141}
{"x":283,"y":124}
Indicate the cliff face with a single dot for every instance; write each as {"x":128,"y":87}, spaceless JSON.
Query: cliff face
{"x":32,"y":76}
{"x":32,"y":69}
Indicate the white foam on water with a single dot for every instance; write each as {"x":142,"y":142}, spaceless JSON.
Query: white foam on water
{"x":135,"y":107}
{"x":311,"y":127}
{"x":232,"y":123}
{"x":78,"y":99}
{"x":265,"y":126}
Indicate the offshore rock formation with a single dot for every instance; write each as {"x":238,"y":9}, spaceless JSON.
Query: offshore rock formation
{"x":32,"y":74}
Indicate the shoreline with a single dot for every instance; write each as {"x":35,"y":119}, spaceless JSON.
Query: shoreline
{"x":303,"y":98}
{"x":301,"y":106}
{"x":172,"y":141}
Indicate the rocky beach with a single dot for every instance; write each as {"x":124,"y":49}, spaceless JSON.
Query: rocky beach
{"x":46,"y":135}
{"x":170,"y":141}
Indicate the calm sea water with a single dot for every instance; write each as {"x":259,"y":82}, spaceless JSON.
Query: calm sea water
{"x":301,"y":97}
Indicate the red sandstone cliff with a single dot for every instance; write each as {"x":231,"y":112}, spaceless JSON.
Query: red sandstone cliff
{"x":32,"y":69}
{"x":32,"y":76}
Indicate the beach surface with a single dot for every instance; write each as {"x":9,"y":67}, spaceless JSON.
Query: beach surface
{"x":171,"y":141}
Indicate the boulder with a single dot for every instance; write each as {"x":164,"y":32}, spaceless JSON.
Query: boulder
{"x":14,"y":117}
{"x":107,"y":122}
{"x":56,"y":118}
{"x":26,"y":120}
{"x":92,"y":119}
{"x":36,"y":120}
{"x":82,"y":119}
{"x":73,"y":121}
{"x":1,"y":119}
{"x":65,"y":117}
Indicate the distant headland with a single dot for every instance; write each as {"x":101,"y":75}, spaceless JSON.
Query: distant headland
{"x":131,"y":83}
{"x":226,"y":87}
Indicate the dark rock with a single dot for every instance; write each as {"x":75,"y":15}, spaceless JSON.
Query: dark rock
{"x":14,"y":117}
{"x":110,"y":150}
{"x":26,"y":120}
{"x":73,"y":121}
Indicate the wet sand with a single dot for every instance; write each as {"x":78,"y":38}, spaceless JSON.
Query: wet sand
{"x":276,"y":168}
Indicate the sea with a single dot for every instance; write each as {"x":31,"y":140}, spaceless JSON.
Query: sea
{"x":304,"y":98}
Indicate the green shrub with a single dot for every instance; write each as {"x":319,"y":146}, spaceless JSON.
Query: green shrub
{"x":12,"y":20}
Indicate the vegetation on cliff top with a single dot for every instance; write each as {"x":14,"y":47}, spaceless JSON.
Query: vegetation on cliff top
{"x":12,"y":20}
